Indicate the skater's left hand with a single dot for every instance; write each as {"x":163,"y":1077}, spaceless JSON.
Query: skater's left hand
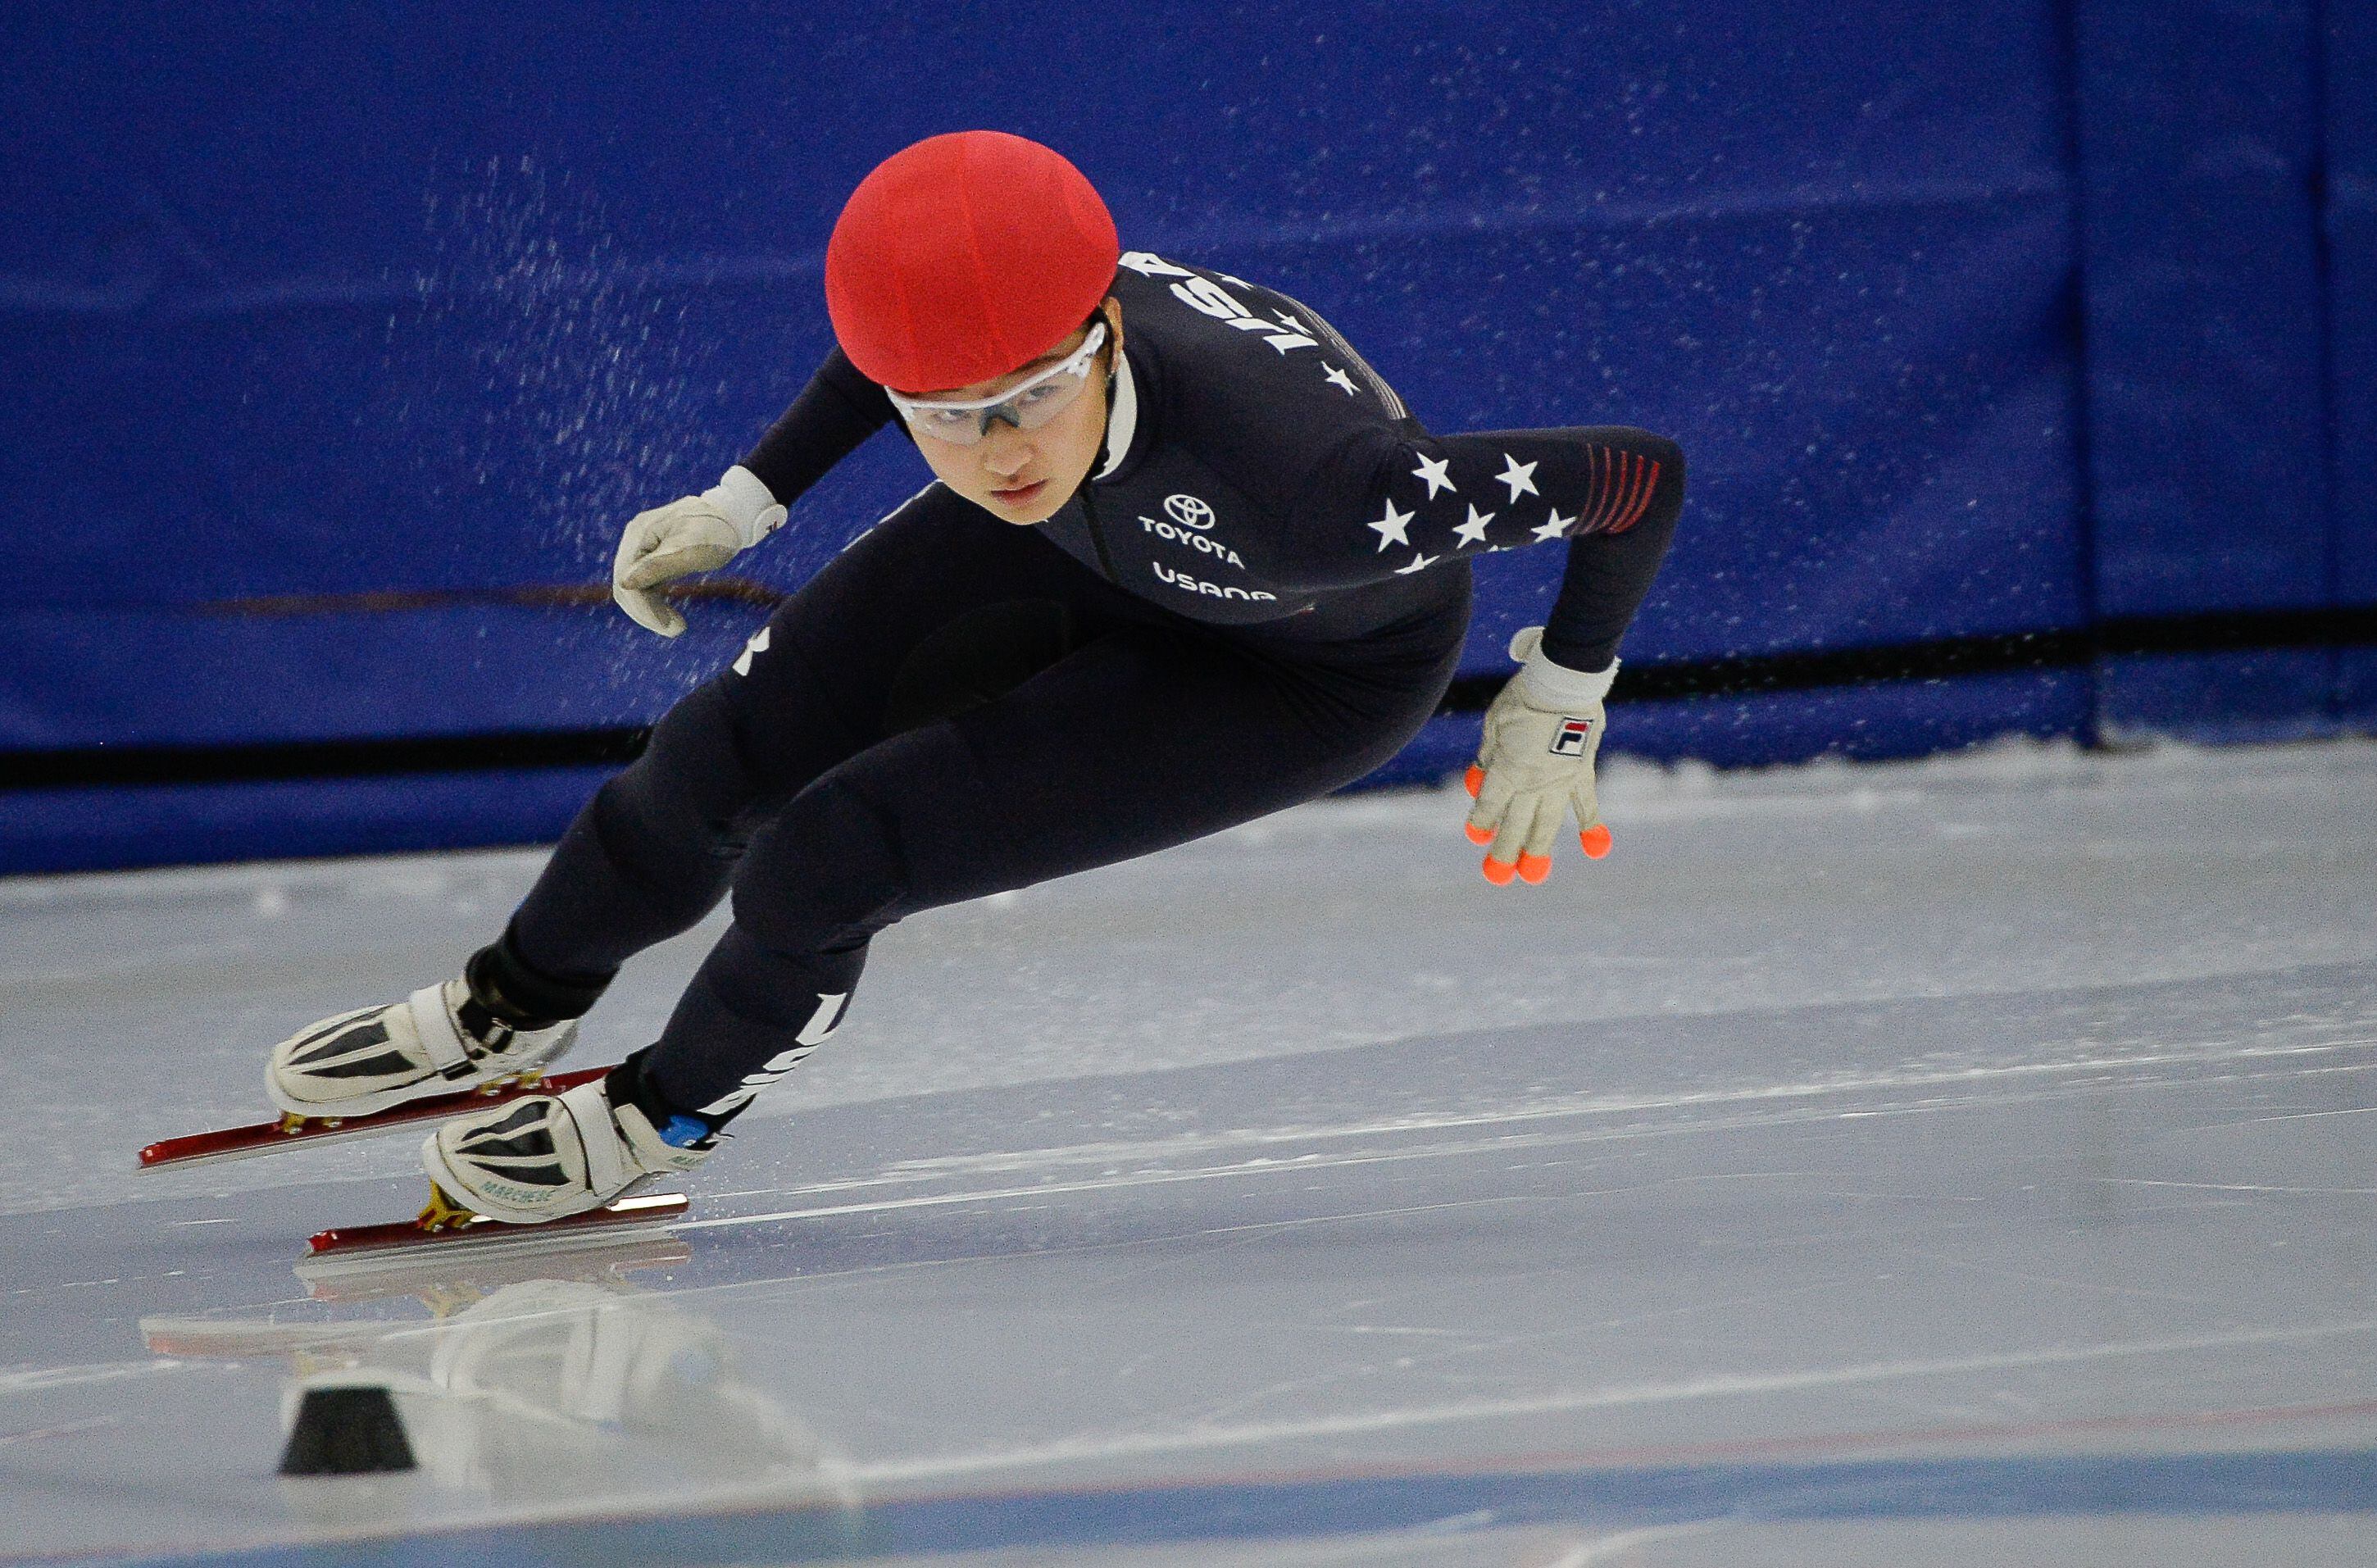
{"x":697,"y":533}
{"x":1535,"y":762}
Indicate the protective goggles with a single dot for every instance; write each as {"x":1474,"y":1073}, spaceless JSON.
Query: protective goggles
{"x":1027,"y":405}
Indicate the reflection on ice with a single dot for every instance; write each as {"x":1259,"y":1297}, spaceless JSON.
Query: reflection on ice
{"x":1983,"y":1135}
{"x":534,"y":1392}
{"x":450,"y":1282}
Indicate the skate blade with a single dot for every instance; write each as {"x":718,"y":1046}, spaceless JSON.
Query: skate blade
{"x":291,"y":1131}
{"x":439,"y":1275}
{"x":458,"y":1227}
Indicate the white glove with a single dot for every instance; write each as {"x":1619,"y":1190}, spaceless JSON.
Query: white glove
{"x":1535,"y":762}
{"x":699,"y":534}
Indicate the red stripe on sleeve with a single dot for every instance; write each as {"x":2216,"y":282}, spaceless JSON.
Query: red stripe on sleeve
{"x":1621,"y":493}
{"x":1639,"y":497}
{"x":1642,"y":502}
{"x":1604,"y":476}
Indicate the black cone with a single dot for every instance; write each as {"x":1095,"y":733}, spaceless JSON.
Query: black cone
{"x":346,"y":1431}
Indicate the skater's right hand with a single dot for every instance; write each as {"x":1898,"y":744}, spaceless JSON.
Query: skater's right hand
{"x":697,"y":533}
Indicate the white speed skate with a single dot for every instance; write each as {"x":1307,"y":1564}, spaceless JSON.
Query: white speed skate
{"x":549,"y":1157}
{"x":438,"y":1041}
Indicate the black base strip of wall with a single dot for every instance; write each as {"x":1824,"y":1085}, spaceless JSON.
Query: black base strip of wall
{"x":1949,"y":657}
{"x":1941,"y":659}
{"x":87,"y":766}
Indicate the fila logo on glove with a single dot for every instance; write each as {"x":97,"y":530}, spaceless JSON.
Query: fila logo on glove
{"x":1569,"y":738}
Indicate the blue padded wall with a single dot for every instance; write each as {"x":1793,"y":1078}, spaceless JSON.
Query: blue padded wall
{"x":2350,"y":76}
{"x":2200,"y":136}
{"x":336,"y":343}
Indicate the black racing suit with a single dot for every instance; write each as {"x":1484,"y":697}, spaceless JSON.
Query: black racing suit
{"x":1260,"y":595}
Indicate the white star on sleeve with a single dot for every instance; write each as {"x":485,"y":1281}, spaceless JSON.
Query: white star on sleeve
{"x":1518,"y":476}
{"x":1433,"y":470}
{"x":1391,"y":527}
{"x":1554,"y":528}
{"x":1417,"y":562}
{"x":1337,"y":378}
{"x":1284,"y":319}
{"x":1473,"y":531}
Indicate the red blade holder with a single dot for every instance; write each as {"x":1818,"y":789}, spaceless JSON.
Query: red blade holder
{"x":658,"y":1208}
{"x":267,"y":1137}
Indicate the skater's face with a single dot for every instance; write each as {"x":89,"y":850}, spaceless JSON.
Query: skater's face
{"x":1023,"y":476}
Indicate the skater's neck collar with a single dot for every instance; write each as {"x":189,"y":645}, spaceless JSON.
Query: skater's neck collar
{"x":1122,"y":416}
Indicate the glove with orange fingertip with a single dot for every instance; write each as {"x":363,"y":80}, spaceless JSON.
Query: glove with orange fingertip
{"x":1534,"y":764}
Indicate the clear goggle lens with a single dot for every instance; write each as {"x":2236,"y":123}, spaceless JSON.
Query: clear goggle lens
{"x":1027,"y":405}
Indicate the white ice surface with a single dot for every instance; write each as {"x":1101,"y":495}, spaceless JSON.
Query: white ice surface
{"x":2019,"y":1102}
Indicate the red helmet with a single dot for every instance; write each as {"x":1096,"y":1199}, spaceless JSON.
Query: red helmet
{"x":963,"y":257}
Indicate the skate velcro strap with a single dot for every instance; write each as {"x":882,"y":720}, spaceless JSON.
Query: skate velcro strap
{"x":606,"y":1170}
{"x":434,"y":1027}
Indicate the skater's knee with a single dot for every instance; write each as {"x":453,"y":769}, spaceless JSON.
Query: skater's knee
{"x":693,"y":753}
{"x":824,"y":876}
{"x":975,"y":658}
{"x":690,"y":788}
